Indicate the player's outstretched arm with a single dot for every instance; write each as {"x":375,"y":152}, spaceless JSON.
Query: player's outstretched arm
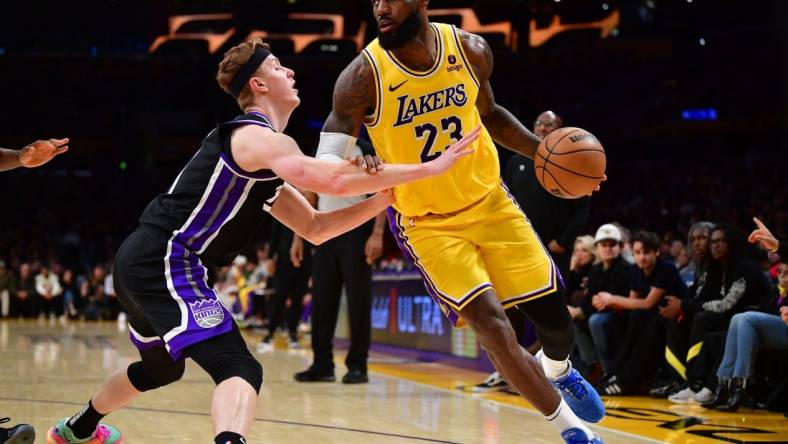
{"x":33,"y":155}
{"x":256,"y":148}
{"x":293,"y":210}
{"x":504,"y":128}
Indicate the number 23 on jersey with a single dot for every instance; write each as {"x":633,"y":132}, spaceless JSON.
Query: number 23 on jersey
{"x":428,"y":133}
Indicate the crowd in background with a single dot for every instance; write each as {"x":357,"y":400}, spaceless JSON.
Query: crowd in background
{"x":650,"y":311}
{"x":651,"y":316}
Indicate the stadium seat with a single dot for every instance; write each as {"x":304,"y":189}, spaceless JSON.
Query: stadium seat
{"x":182,"y":47}
{"x":468,"y":21}
{"x":213,"y":29}
{"x":538,"y":36}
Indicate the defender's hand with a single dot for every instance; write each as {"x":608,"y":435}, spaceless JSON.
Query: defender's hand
{"x":41,"y":152}
{"x":454,"y":153}
{"x":388,"y":195}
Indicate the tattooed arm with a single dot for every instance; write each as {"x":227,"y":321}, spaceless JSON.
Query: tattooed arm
{"x":354,"y":98}
{"x":504,"y":128}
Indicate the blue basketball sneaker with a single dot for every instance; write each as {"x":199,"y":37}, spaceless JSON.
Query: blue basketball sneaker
{"x":579,"y":395}
{"x":577,"y":436}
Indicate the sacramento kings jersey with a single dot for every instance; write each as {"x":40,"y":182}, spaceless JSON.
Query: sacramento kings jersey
{"x":214,"y":206}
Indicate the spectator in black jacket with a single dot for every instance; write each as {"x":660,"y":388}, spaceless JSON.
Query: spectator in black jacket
{"x":734,"y":283}
{"x":697,"y":246}
{"x":671,"y":308}
{"x":612,"y":275}
{"x":641,"y":351}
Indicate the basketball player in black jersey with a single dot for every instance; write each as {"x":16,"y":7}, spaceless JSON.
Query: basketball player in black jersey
{"x":245,"y":168}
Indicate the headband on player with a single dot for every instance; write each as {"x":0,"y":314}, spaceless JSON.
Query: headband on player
{"x":245,"y":73}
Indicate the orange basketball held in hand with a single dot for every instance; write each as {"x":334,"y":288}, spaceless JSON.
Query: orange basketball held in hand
{"x":570,"y":163}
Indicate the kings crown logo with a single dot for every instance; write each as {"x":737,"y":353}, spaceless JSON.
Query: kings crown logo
{"x":207,"y":313}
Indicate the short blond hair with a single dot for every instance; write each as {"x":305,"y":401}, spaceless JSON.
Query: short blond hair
{"x":587,"y":243}
{"x":233,"y":60}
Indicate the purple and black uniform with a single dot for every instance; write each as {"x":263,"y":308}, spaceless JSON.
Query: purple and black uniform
{"x":203,"y":220}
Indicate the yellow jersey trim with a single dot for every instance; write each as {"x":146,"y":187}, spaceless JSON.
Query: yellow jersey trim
{"x":378,"y":91}
{"x":458,"y":43}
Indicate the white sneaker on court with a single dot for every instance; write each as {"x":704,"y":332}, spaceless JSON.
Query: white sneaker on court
{"x":704,"y":396}
{"x":686,"y":396}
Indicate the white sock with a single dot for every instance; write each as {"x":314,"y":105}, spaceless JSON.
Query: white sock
{"x":553,"y":369}
{"x":564,"y":418}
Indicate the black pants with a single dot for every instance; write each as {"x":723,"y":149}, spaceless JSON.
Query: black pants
{"x":27,"y":307}
{"x":289,"y":282}
{"x":642,"y":351}
{"x":685,"y":339}
{"x":53,"y":305}
{"x":703,"y":371}
{"x":337,"y":261}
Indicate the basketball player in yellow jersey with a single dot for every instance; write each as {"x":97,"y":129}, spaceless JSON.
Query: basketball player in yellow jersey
{"x":418,"y":88}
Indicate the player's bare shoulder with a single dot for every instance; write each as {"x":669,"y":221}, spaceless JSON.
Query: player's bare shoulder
{"x":354,"y":95}
{"x":479,"y":53}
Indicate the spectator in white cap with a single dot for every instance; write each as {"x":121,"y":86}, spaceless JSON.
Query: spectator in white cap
{"x":612,"y":275}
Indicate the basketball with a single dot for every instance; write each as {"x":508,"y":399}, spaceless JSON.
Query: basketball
{"x":570,"y":163}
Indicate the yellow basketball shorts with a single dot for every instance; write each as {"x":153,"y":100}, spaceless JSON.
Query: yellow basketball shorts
{"x":488,"y":245}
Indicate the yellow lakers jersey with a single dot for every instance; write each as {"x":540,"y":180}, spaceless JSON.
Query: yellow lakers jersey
{"x":419,"y":114}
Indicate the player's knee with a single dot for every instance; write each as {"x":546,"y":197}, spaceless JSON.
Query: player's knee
{"x":243,"y":366}
{"x":225,"y":364}
{"x":496,"y":334}
{"x":252,"y":372}
{"x":555,"y":330}
{"x":226,"y":356}
{"x":172,"y":374}
{"x":150,"y":376}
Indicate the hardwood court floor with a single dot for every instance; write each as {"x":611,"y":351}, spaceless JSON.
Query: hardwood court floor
{"x":48,"y":370}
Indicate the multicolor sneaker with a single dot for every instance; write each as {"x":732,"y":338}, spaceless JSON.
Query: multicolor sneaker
{"x":18,"y":434}
{"x":577,"y":436}
{"x":580,"y":396}
{"x":104,"y":434}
